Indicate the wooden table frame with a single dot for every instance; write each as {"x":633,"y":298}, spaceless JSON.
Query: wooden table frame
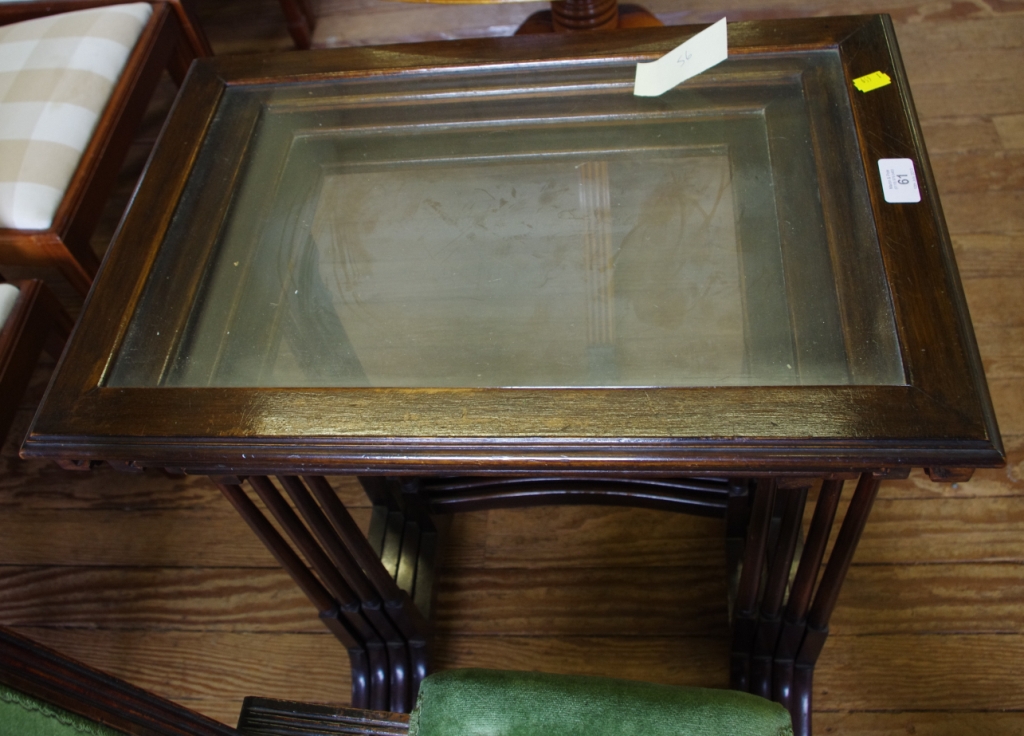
{"x":746,"y":453}
{"x":374,"y":592}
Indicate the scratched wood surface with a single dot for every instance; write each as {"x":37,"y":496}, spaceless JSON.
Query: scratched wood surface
{"x":157,"y":580}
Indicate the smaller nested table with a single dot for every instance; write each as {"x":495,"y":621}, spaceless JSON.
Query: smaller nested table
{"x":484,"y":273}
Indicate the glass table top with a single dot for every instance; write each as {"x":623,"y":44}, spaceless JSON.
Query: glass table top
{"x":526,"y":229}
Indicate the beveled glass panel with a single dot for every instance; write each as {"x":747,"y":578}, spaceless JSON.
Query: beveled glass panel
{"x":539,"y":228}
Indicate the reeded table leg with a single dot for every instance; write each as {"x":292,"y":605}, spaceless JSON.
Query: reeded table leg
{"x":358,"y":598}
{"x":775,"y":649}
{"x":359,"y":653}
{"x":374,"y":591}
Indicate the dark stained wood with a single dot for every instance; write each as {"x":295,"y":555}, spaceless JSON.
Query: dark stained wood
{"x":930,"y":600}
{"x":365,"y":659}
{"x":933,"y":422}
{"x":697,"y":496}
{"x":265,"y":717}
{"x":839,"y":560}
{"x":384,"y":632}
{"x":936,"y":723}
{"x":209,"y":672}
{"x":767,"y":649}
{"x":922,"y":530}
{"x":746,"y":598}
{"x":761,"y":661}
{"x":46,"y":675}
{"x":36,"y":322}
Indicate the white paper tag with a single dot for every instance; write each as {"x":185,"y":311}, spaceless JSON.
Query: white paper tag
{"x":899,"y":182}
{"x":693,"y":56}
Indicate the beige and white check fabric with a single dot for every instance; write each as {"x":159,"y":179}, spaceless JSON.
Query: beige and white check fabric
{"x":56,"y":76}
{"x":8,"y":296}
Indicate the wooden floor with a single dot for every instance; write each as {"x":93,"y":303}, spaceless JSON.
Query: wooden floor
{"x":158,"y":581}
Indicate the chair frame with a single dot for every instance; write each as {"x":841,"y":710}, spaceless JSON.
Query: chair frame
{"x":36,"y":322}
{"x":171,"y":40}
{"x":48,"y":676}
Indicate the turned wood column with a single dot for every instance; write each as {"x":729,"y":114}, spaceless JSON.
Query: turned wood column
{"x":584,"y":15}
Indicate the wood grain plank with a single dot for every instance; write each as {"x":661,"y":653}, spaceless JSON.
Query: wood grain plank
{"x":39,"y":485}
{"x":961,"y":65}
{"x":1002,"y":351}
{"x":979,"y":171}
{"x":994,"y":301}
{"x":955,"y":530}
{"x":148,"y":538}
{"x":662,"y":601}
{"x":933,"y":598}
{"x":234,"y":27}
{"x":961,"y":133}
{"x":655,"y":601}
{"x":960,"y":528}
{"x":1010,"y":129}
{"x":1008,"y":400}
{"x":983,"y":97}
{"x":696,"y":661}
{"x":182,"y":599}
{"x":942,"y":723}
{"x":211,"y":673}
{"x":592,"y":536}
{"x":994,"y":212}
{"x":930,"y":599}
{"x":893,"y":672}
{"x":987,"y":255}
{"x":933,"y":38}
{"x":920,"y":527}
{"x":103,"y":517}
{"x":465,"y":542}
{"x":393,"y":22}
{"x":205,"y":537}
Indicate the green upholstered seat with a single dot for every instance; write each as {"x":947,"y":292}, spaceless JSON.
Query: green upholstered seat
{"x":500,"y":703}
{"x":25,"y":716}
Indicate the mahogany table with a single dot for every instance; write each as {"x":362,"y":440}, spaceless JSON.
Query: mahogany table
{"x":484,"y":273}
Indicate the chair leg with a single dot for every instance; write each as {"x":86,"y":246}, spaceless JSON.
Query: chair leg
{"x":37,"y":322}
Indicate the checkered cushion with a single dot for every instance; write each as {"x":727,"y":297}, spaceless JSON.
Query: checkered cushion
{"x":8,"y":296}
{"x":56,"y":76}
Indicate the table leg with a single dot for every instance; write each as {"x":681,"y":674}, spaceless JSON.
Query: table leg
{"x":359,"y":656}
{"x":415,"y":546}
{"x":375,"y":593}
{"x":790,"y":505}
{"x":782,"y":648}
{"x":825,"y":599}
{"x":373,"y":630}
{"x":349,"y":583}
{"x":745,"y":606}
{"x":363,"y":596}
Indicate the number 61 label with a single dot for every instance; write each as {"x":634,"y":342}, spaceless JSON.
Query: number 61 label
{"x":899,"y":182}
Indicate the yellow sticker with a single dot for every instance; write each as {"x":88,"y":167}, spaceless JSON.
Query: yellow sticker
{"x":871,"y":81}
